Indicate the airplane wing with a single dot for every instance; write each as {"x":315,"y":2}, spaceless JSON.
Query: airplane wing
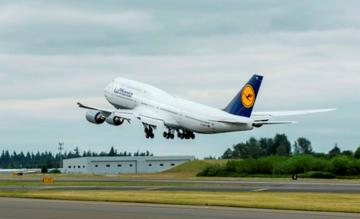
{"x":154,"y":117}
{"x":20,"y":171}
{"x":146,"y":115}
{"x":125,"y":114}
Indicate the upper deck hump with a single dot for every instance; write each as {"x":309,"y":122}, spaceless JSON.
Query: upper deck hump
{"x":144,"y":89}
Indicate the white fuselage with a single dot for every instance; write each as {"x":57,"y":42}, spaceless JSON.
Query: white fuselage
{"x":184,"y":114}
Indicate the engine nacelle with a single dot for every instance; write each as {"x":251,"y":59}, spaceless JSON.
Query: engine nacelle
{"x":95,"y":117}
{"x":114,"y":120}
{"x":257,"y":125}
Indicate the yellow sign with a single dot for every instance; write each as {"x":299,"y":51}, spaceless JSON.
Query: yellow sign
{"x":48,"y":180}
{"x":248,"y":96}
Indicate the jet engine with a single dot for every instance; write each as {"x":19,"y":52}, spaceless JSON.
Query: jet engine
{"x":114,"y":120}
{"x":257,"y":125}
{"x":95,"y":117}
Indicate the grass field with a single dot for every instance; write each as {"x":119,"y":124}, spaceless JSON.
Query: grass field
{"x":98,"y":183}
{"x":187,"y":170}
{"x":334,"y":202}
{"x":192,"y":168}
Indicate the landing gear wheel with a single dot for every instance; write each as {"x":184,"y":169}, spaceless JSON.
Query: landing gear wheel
{"x":185,"y":134}
{"x":149,"y":130}
{"x":169,"y":134}
{"x":149,"y":133}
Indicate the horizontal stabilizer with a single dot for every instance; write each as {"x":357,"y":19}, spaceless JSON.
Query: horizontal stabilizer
{"x":234,"y":120}
{"x":260,"y":123}
{"x":292,"y":113}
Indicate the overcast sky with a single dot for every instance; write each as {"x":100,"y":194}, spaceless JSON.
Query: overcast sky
{"x":55,"y":53}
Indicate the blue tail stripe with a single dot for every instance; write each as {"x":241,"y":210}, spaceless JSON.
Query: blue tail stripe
{"x":243,"y":102}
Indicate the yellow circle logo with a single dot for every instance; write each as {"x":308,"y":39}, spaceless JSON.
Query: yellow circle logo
{"x":248,"y":96}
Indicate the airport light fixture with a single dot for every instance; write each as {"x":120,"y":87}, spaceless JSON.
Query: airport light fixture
{"x":61,"y":147}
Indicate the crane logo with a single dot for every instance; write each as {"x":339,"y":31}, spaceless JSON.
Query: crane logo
{"x":248,"y":96}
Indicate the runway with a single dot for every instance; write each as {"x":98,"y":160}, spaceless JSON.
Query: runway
{"x":52,"y":209}
{"x":272,"y":188}
{"x":195,"y":185}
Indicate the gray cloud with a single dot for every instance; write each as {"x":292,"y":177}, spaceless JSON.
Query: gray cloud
{"x":160,"y":27}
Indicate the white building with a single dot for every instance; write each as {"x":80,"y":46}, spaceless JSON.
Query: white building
{"x":118,"y":165}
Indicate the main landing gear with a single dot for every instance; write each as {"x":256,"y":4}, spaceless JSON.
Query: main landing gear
{"x":149,"y":131}
{"x":185,"y":134}
{"x":169,"y":134}
{"x":182,"y":134}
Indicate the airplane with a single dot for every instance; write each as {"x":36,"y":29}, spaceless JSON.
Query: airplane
{"x":20,"y":171}
{"x":154,"y":107}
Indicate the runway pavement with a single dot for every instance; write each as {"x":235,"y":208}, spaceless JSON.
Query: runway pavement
{"x":269,"y":188}
{"x":48,"y":209}
{"x":199,"y":185}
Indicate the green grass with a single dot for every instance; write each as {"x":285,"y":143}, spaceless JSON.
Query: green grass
{"x":185,"y":171}
{"x":194,"y":167}
{"x":333,"y":202}
{"x":95,"y":183}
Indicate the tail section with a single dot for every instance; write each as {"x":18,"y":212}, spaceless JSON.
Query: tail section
{"x":243,"y":102}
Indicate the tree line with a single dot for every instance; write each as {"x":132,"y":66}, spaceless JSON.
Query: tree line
{"x":15,"y":160}
{"x":307,"y":166}
{"x":277,"y":156}
{"x":280,"y":146}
